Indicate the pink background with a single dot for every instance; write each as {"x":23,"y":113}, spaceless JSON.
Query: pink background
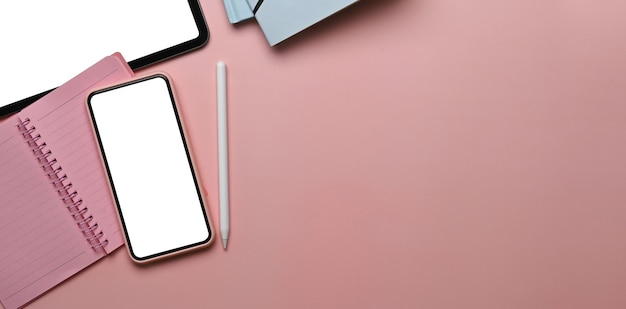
{"x":404,"y":154}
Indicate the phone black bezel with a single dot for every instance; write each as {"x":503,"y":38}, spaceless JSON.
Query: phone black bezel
{"x":189,"y":160}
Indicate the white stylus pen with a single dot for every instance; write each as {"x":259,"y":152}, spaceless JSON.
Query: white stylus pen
{"x":222,"y":148}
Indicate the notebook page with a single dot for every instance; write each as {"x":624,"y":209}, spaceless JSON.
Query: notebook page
{"x":39,"y":242}
{"x":40,"y":269}
{"x":66,"y":128}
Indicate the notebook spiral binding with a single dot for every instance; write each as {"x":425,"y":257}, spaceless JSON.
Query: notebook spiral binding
{"x":63,"y":187}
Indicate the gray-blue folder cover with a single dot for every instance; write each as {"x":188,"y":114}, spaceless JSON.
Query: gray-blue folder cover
{"x":281,"y":19}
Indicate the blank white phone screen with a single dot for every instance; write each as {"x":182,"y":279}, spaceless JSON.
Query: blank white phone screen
{"x":47,"y":42}
{"x":152,"y":178}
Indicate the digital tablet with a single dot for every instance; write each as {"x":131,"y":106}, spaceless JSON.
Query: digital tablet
{"x":47,"y":42}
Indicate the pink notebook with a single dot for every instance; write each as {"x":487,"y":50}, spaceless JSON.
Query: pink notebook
{"x":56,"y":213}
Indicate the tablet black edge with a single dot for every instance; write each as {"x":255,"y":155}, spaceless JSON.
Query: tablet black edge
{"x":201,"y":40}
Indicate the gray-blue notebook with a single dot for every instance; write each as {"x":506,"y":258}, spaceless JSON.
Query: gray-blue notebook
{"x":281,"y":19}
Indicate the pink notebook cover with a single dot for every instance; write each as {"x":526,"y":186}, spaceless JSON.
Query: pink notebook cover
{"x":56,"y":213}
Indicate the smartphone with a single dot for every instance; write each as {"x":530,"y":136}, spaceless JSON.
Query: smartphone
{"x":151,"y":171}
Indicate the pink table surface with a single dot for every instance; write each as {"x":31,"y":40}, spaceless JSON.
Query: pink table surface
{"x":404,"y":154}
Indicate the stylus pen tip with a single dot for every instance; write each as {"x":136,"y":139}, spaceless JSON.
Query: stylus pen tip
{"x":224,"y":242}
